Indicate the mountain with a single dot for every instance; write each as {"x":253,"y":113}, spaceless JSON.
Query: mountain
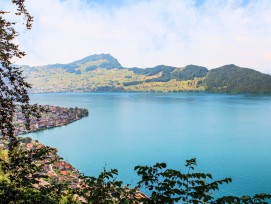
{"x":233,"y":79}
{"x":89,"y":63}
{"x":100,"y":73}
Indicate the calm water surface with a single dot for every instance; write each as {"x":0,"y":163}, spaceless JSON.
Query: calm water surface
{"x":228,"y":134}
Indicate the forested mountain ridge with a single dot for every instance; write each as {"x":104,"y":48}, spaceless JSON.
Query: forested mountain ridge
{"x":101,"y":73}
{"x":231,"y":78}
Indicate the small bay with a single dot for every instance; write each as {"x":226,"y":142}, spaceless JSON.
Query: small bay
{"x":230,"y":135}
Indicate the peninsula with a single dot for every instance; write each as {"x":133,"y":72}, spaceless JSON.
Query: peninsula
{"x":52,"y":116}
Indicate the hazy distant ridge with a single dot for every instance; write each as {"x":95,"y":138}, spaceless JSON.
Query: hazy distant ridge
{"x":104,"y":73}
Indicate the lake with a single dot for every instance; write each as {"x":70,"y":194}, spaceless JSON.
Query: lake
{"x":230,"y":135}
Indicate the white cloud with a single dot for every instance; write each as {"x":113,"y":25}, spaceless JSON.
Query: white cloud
{"x":148,"y":33}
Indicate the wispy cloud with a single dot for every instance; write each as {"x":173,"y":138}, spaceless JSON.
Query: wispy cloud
{"x":151,"y":32}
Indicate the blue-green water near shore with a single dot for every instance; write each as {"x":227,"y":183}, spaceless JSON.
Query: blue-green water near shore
{"x":230,"y":135}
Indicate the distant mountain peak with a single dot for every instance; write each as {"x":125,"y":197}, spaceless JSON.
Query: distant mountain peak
{"x":230,"y":65}
{"x":111,"y":62}
{"x":96,"y":57}
{"x":90,"y":63}
{"x":193,"y":66}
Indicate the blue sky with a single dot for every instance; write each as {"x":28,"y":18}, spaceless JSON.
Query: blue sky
{"x":145,"y":33}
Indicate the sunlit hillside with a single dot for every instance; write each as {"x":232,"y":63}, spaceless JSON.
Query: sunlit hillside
{"x":103,"y":73}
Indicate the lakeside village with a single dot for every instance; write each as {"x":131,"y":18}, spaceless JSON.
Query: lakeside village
{"x":59,"y":171}
{"x":53,"y":116}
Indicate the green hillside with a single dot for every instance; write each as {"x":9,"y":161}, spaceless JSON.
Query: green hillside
{"x":102,"y":73}
{"x":233,"y":79}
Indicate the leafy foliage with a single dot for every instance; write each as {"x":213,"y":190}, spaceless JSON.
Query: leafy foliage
{"x":165,"y":185}
{"x":172,"y":186}
{"x":21,"y":10}
{"x":13,"y":87}
{"x":21,"y":168}
{"x":106,"y":189}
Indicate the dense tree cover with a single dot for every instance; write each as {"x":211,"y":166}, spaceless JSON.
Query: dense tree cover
{"x":189,"y":72}
{"x":233,"y":79}
{"x":168,"y":73}
{"x":226,"y":79}
{"x":153,"y":71}
{"x":20,"y":169}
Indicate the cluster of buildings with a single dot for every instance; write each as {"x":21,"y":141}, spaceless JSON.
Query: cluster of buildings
{"x":57,"y":170}
{"x":52,"y":116}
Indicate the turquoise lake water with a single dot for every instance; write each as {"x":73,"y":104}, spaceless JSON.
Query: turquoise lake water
{"x":230,"y":135}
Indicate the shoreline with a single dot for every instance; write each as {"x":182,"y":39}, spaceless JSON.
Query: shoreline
{"x":155,"y":92}
{"x":53,"y":116}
